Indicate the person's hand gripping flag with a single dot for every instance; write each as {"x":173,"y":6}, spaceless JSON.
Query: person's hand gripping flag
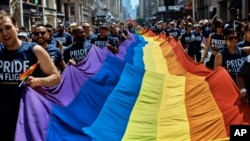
{"x":27,"y":73}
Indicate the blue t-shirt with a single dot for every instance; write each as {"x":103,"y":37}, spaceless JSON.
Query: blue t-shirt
{"x":198,"y":40}
{"x":12,"y":64}
{"x":65,"y":38}
{"x":243,"y":43}
{"x":131,"y":31}
{"x":245,"y":72}
{"x":217,"y":42}
{"x":78,"y":53}
{"x":55,"y":54}
{"x":91,"y":37}
{"x":123,"y":31}
{"x":115,"y":40}
{"x":233,"y":62}
{"x":101,"y":42}
{"x":54,"y":42}
{"x":187,"y":40}
{"x":174,"y":33}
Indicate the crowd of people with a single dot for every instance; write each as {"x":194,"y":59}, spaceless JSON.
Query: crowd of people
{"x":227,"y":42}
{"x":54,"y":47}
{"x":50,"y":47}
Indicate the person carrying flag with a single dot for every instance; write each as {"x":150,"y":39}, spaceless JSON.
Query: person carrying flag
{"x":41,"y":35}
{"x":79,"y":50}
{"x":16,"y":57}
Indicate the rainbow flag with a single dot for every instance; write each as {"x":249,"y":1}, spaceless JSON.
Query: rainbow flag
{"x":151,"y":90}
{"x":187,"y":104}
{"x":28,"y":72}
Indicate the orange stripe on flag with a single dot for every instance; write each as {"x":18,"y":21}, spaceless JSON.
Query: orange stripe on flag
{"x":28,"y":72}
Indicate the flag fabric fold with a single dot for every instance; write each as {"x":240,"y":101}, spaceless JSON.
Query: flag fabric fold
{"x":34,"y":118}
{"x":112,"y":121}
{"x":150,"y":90}
{"x":66,"y":122}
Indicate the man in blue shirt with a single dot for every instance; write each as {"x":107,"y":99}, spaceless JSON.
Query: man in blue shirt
{"x":62,"y":36}
{"x":79,"y":49}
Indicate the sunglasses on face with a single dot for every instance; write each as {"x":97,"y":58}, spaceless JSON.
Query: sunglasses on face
{"x":38,"y":33}
{"x":232,"y":37}
{"x":49,"y":31}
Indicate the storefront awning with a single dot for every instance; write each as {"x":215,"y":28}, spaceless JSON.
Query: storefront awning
{"x":235,"y":4}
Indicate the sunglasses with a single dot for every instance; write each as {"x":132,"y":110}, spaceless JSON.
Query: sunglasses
{"x":49,"y":31}
{"x":38,"y":33}
{"x":232,"y":37}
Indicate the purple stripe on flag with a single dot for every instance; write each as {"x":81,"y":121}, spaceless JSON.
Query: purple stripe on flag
{"x":35,"y":107}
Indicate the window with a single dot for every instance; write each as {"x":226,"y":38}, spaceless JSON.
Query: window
{"x":72,"y":9}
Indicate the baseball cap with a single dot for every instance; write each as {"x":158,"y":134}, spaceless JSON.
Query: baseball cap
{"x":172,"y":23}
{"x":104,"y":26}
{"x":22,"y":34}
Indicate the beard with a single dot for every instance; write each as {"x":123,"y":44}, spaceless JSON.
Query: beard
{"x":41,"y":42}
{"x":79,"y":38}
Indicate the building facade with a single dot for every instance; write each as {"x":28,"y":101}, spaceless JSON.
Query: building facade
{"x":29,"y":12}
{"x":199,"y":9}
{"x":73,"y":10}
{"x":227,"y":10}
{"x":107,"y":11}
{"x":39,"y":12}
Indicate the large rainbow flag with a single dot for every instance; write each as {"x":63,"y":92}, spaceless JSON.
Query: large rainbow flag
{"x":150,"y":90}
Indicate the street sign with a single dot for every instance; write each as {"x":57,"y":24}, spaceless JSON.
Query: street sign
{"x":162,"y":8}
{"x":175,"y":8}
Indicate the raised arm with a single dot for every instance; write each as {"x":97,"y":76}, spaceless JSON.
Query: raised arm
{"x":206,"y":49}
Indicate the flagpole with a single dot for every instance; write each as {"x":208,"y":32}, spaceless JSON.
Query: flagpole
{"x":21,"y":83}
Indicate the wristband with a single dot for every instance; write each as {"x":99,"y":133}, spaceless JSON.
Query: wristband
{"x":243,"y":90}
